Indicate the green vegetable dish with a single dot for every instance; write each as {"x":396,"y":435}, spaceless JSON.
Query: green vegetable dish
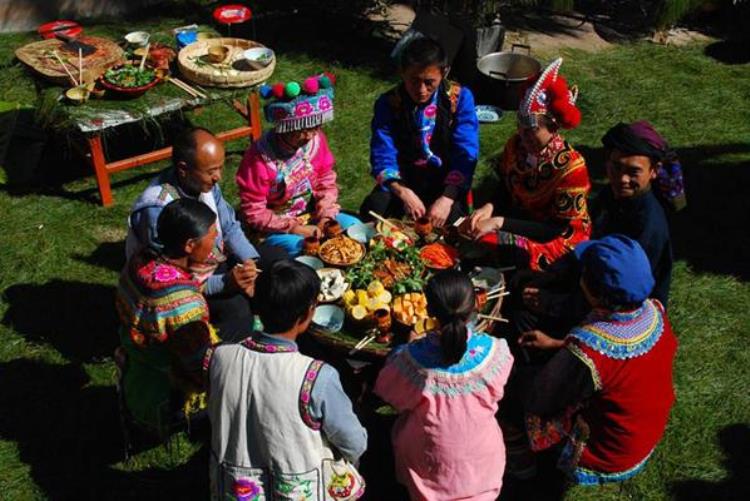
{"x":401,"y":271}
{"x":129,"y":76}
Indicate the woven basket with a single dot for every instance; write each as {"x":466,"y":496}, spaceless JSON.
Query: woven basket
{"x":233,"y":72}
{"x":38,"y":56}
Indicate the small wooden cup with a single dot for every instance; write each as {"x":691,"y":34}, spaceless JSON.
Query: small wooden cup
{"x":480,"y":297}
{"x":383,"y":321}
{"x":423,"y":226}
{"x":311,"y":246}
{"x":332,"y":229}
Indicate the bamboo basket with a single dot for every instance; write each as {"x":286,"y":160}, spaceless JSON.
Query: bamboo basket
{"x":232,"y":73}
{"x":39,"y":57}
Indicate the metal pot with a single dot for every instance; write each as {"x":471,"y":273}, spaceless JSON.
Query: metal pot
{"x":502,"y":76}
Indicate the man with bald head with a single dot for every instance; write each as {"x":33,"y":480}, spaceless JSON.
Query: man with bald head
{"x":229,"y":276}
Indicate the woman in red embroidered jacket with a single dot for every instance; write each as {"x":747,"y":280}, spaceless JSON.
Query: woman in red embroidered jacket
{"x":540,"y":209}
{"x":607,"y":393}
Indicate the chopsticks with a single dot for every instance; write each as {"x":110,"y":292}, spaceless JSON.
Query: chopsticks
{"x":498,"y":295}
{"x":65,"y":67}
{"x":145,"y":55}
{"x":80,"y":65}
{"x":362,"y":343}
{"x":490,"y":317}
{"x":187,"y":88}
{"x":383,"y":220}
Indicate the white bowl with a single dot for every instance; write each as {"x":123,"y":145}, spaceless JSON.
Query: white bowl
{"x":311,"y":261}
{"x":258,"y":57}
{"x":137,"y":38}
{"x":361,"y":232}
{"x":329,"y":318}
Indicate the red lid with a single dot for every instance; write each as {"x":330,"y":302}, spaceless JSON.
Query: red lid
{"x":66,"y":28}
{"x":232,"y":14}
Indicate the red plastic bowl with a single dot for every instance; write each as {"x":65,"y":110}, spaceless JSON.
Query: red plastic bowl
{"x":128,"y":91}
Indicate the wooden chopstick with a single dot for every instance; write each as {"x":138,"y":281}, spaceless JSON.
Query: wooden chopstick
{"x":171,"y":80}
{"x":188,"y":87}
{"x":490,"y":317}
{"x":362,"y":343}
{"x":59,"y":59}
{"x":80,"y":65}
{"x":145,"y":55}
{"x":496,"y":296}
{"x":383,"y":220}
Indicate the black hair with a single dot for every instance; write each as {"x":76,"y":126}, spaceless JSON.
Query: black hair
{"x":450,"y":299}
{"x":181,"y":220}
{"x":423,"y":52}
{"x":185,"y":145}
{"x":284,"y":294}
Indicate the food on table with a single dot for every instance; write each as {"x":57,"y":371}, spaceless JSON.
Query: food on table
{"x":341,"y":251}
{"x":362,"y":303}
{"x":425,"y":325}
{"x":410,"y":308}
{"x":398,"y":270}
{"x":129,"y":76}
{"x":333,"y":284}
{"x":391,"y":271}
{"x":439,"y":256}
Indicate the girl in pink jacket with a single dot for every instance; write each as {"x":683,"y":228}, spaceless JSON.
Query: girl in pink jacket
{"x":286,"y":179}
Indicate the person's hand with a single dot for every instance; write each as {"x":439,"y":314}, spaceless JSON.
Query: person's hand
{"x":322,"y":222}
{"x":413,"y":205}
{"x":439,"y":211}
{"x":482,"y":213}
{"x":539,"y":340}
{"x":244,"y":276}
{"x":534,"y":299}
{"x":485,"y":226}
{"x":306,"y":230}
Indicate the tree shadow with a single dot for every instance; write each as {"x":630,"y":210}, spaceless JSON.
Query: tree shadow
{"x":107,"y":255}
{"x":68,"y":432}
{"x":729,"y":51}
{"x":735,"y":441}
{"x":77,"y":318}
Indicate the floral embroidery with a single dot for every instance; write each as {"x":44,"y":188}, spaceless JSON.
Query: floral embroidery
{"x":263,"y":347}
{"x":546,"y":432}
{"x":324,"y":104}
{"x":622,"y":335}
{"x":293,"y":489}
{"x":303,"y":109}
{"x":165,"y":273}
{"x":246,"y":489}
{"x":305,"y":393}
{"x":341,"y":486}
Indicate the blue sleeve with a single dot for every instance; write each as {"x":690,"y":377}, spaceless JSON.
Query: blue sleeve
{"x":383,"y":152}
{"x":331,"y":406}
{"x":143,"y":222}
{"x":464,"y":146}
{"x":231,"y":230}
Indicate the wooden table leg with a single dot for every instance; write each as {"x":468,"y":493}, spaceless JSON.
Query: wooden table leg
{"x":253,"y":115}
{"x":100,"y":169}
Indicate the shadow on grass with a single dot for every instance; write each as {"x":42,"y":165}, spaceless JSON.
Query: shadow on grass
{"x":78,"y":319}
{"x":107,"y":255}
{"x":735,"y":441}
{"x":68,"y":433}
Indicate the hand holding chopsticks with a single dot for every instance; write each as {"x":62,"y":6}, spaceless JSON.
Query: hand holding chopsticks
{"x":362,"y":343}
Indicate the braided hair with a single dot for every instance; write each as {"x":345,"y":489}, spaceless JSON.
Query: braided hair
{"x":450,"y":299}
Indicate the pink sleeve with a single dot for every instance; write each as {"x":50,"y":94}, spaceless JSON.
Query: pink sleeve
{"x":500,"y":367}
{"x":254,"y":179}
{"x":324,"y":189}
{"x":394,"y":387}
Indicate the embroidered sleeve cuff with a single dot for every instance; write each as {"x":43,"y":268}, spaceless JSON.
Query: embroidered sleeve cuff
{"x":387,"y":176}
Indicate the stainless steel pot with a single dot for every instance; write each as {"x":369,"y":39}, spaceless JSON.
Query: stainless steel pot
{"x":502,"y":76}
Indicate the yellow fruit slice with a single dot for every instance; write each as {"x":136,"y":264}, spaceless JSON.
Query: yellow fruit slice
{"x":373,"y":304}
{"x":359,"y":312}
{"x":385,"y":297}
{"x":375,"y":288}
{"x":349,"y":298}
{"x":362,"y":297}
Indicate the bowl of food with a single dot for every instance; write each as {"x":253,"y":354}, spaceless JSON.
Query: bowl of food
{"x":361,"y":232}
{"x":129,"y":80}
{"x":408,"y":309}
{"x":77,"y":95}
{"x":333,"y":284}
{"x":439,"y":256}
{"x":258,"y":57}
{"x":341,"y":251}
{"x":217,"y":54}
{"x":137,"y":38}
{"x":328,"y":318}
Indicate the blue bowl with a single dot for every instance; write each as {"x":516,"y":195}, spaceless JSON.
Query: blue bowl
{"x":329,"y":318}
{"x":361,"y":232}
{"x":311,"y":261}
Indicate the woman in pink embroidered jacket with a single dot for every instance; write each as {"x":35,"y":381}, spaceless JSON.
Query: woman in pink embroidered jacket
{"x":286,"y":180}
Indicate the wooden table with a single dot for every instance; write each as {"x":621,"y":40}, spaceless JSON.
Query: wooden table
{"x":93,"y":128}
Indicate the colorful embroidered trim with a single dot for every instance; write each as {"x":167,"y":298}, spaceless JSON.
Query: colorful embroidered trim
{"x":579,"y":353}
{"x":584,"y":476}
{"x":305,"y":394}
{"x":263,"y":347}
{"x":622,"y":335}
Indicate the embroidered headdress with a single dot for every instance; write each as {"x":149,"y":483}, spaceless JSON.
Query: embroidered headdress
{"x":292,"y":106}
{"x":549,"y":95}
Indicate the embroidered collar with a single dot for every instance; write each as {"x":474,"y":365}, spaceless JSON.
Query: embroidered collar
{"x":263,"y":343}
{"x":622,"y":335}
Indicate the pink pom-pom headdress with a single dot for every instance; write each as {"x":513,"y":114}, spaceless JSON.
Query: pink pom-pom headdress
{"x":292,"y":106}
{"x":550,"y":95}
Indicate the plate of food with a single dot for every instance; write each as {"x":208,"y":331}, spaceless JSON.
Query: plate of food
{"x":129,"y":79}
{"x":341,"y":251}
{"x":333,"y":284}
{"x":410,"y":308}
{"x":399,"y":271}
{"x":439,"y":256}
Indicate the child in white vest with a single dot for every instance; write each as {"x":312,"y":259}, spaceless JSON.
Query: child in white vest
{"x":282,"y":426}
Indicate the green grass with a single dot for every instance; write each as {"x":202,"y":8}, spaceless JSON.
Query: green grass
{"x":59,"y":434}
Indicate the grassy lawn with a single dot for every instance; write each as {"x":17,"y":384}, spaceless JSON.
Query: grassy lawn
{"x":59,"y":431}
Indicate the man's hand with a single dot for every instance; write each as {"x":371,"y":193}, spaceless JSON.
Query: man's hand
{"x":307,"y":230}
{"x":485,"y":226}
{"x":440,"y":210}
{"x":482,"y":213}
{"x":539,"y":340}
{"x":413,"y":205}
{"x":244,"y":275}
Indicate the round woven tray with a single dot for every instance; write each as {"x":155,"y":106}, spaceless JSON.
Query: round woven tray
{"x":39,"y":57}
{"x":233,"y":72}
